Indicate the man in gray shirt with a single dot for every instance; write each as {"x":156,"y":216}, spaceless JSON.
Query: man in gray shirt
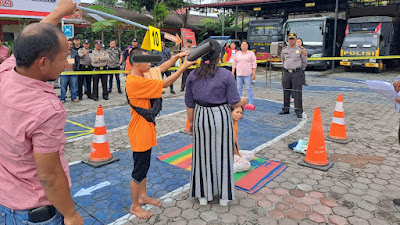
{"x":114,"y":63}
{"x":294,"y":61}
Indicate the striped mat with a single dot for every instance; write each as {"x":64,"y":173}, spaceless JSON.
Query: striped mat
{"x":262,"y":171}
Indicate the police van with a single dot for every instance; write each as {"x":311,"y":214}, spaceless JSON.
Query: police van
{"x":370,"y":36}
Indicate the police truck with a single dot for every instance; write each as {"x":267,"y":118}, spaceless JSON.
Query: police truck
{"x":317,"y":34}
{"x":370,"y":36}
{"x":261,"y":33}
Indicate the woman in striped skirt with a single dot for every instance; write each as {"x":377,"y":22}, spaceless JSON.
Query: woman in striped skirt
{"x":209,"y":92}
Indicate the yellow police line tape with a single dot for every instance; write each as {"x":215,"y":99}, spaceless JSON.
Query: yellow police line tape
{"x":229,"y":64}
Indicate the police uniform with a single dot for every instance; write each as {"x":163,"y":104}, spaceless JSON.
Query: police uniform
{"x":294,"y":63}
{"x":99,"y":60}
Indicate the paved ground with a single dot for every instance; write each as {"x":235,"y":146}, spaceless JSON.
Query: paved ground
{"x":358,"y":190}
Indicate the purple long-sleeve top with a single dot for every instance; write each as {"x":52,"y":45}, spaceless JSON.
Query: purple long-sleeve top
{"x":212,"y":90}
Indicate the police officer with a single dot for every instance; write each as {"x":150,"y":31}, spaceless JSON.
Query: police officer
{"x":99,"y":58}
{"x":85,"y":65}
{"x":294,"y":61}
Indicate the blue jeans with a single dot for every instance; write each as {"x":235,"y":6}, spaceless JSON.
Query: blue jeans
{"x":73,"y":85}
{"x":247,"y":81}
{"x":111,"y":80}
{"x":20,"y":217}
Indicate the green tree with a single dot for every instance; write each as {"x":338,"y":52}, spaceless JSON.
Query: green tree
{"x":158,"y":8}
{"x":214,"y":26}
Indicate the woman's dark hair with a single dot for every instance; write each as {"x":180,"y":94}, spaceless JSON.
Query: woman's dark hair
{"x":207,"y":68}
{"x":246,"y":43}
{"x":301,"y":41}
{"x":233,"y":108}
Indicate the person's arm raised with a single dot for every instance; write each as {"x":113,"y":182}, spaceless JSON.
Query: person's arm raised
{"x":63,"y":8}
{"x":168,"y":64}
{"x":171,"y":79}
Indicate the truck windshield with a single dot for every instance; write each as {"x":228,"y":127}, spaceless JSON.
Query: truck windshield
{"x":309,"y":31}
{"x":360,"y":40}
{"x":265,"y":32}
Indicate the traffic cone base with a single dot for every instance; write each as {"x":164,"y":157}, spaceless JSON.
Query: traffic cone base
{"x":338,"y":140}
{"x":317,"y":167}
{"x":100,"y":153}
{"x":101,"y":163}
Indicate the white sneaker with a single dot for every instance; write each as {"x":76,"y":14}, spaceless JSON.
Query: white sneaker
{"x":223,"y":202}
{"x":203,"y":201}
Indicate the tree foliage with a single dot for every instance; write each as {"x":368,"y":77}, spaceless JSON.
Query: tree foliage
{"x":158,"y":8}
{"x":101,"y":25}
{"x":215,"y":25}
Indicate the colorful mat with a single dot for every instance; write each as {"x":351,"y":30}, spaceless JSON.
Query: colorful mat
{"x":262,"y":171}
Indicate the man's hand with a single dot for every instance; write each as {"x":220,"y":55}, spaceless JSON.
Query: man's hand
{"x":66,"y":7}
{"x":396,"y":85}
{"x":182,"y":54}
{"x":76,"y":219}
{"x":253,"y":77}
{"x":63,"y":8}
{"x":187,"y":63}
{"x":398,"y":100}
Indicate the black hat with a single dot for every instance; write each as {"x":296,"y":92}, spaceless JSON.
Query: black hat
{"x":214,"y":53}
{"x":97,"y":42}
{"x":76,"y":37}
{"x":134,"y":40}
{"x":86,"y":41}
{"x":292,"y":35}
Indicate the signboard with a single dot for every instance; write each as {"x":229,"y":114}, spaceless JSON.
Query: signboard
{"x":68,"y":30}
{"x":152,"y":39}
{"x":32,"y":9}
{"x":188,"y":34}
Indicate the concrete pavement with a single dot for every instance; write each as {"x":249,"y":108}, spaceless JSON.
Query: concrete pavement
{"x":358,"y":190}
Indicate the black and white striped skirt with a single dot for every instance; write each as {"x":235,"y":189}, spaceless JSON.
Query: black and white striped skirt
{"x":213,"y":149}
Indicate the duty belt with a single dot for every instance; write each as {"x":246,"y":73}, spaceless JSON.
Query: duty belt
{"x":293,"y":71}
{"x":85,"y":66}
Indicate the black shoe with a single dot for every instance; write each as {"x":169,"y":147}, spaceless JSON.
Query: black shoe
{"x":89,"y":97}
{"x":119,"y":91}
{"x":283,"y":112}
{"x":172,"y":92}
{"x":182,"y":90}
{"x":106,"y":98}
{"x":305,"y":84}
{"x":85,"y":93}
{"x":109,"y":91}
{"x":299,"y":115}
{"x":95,"y":99}
{"x":396,"y":201}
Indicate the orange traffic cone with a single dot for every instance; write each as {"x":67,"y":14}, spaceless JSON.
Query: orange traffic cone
{"x":100,"y":154}
{"x":187,"y":129}
{"x":337,"y":132}
{"x":316,"y":157}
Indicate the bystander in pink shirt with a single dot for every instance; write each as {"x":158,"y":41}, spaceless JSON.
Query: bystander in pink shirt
{"x":4,"y":52}
{"x":244,"y":63}
{"x":32,"y":119}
